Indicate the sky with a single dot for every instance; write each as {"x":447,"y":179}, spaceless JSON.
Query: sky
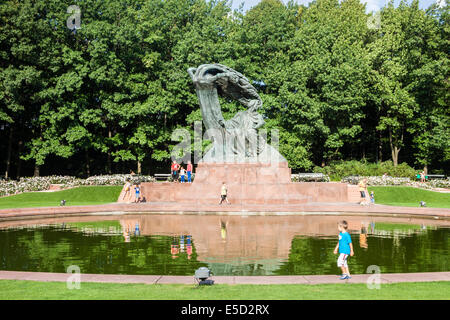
{"x":372,"y":5}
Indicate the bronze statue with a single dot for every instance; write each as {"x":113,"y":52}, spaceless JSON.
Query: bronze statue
{"x":234,"y":140}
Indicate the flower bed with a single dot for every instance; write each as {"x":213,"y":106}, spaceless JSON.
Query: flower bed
{"x":378,"y":181}
{"x":395,"y":181}
{"x":43,"y":183}
{"x":310,"y":177}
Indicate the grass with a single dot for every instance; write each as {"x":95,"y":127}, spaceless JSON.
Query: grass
{"x":86,"y":195}
{"x":396,"y":226}
{"x":410,"y":197}
{"x":30,"y":290}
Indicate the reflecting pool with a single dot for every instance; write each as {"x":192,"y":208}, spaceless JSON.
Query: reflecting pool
{"x":227,"y":244}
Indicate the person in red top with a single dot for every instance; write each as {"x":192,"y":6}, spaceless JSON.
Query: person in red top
{"x":174,"y":168}
{"x":189,"y":171}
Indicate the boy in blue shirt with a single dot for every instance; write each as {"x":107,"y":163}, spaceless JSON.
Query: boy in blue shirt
{"x":345,"y":249}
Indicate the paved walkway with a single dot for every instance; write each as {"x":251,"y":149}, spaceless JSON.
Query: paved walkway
{"x":181,"y":208}
{"x":155,"y":279}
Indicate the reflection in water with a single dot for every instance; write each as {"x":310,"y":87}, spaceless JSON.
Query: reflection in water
{"x":174,"y":248}
{"x":223,"y":230}
{"x":188,"y":247}
{"x":363,"y":236}
{"x":253,"y":245}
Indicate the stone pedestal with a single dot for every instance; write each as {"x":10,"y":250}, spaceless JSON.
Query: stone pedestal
{"x":247,"y":183}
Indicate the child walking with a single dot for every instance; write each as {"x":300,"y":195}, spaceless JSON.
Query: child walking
{"x":345,"y":248}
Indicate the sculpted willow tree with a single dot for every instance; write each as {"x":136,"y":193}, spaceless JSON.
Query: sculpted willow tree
{"x":235,"y":140}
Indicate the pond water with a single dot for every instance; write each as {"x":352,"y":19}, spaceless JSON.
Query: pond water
{"x":228,"y":245}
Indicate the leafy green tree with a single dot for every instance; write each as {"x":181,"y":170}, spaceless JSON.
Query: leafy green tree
{"x":408,"y":74}
{"x":325,"y":86}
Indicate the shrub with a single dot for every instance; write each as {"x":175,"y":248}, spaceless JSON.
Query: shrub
{"x":340,"y":169}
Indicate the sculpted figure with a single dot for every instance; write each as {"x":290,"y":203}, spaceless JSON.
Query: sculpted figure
{"x":235,"y":140}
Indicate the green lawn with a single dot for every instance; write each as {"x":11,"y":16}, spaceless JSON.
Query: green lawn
{"x":410,"y":197}
{"x":19,"y":290}
{"x":85,"y":195}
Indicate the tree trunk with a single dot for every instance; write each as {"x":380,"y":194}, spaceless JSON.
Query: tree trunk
{"x":19,"y":161}
{"x":37,"y":170}
{"x":139,"y":167}
{"x":395,"y":150}
{"x":88,"y":169}
{"x":425,"y":169}
{"x":380,"y":147}
{"x":8,"y":155}
{"x":109,"y":153}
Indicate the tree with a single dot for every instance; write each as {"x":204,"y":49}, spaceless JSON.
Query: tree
{"x":407,"y":66}
{"x":325,"y":86}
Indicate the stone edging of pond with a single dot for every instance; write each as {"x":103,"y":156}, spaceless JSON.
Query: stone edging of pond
{"x":158,"y":279}
{"x":180,"y":208}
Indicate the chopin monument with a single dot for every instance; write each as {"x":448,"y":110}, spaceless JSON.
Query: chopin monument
{"x":254,"y":171}
{"x":235,"y":140}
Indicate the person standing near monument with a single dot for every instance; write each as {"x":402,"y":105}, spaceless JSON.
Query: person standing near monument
{"x":137,"y":191}
{"x":174,"y":169}
{"x":223,"y":193}
{"x":127,"y":189}
{"x":189,"y":171}
{"x":362,"y":189}
{"x":182,"y":174}
{"x":422,"y":177}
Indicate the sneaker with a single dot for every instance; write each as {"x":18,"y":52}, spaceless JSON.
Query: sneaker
{"x":344,"y":277}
